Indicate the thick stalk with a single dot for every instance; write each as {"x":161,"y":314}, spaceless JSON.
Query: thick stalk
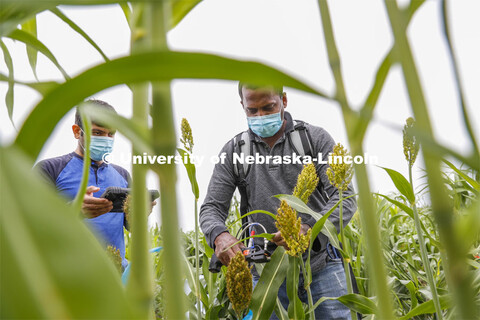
{"x":164,"y":142}
{"x":367,"y":210}
{"x":460,"y":279}
{"x":346,"y":264}
{"x":140,"y":284}
{"x":307,"y":288}
{"x":423,"y":252}
{"x":197,"y":263}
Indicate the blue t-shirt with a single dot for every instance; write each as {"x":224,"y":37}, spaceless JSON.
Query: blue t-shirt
{"x":66,"y":174}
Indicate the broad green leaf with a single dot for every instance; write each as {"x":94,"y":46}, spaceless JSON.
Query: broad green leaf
{"x":462,"y":174}
{"x":11,"y":80}
{"x":180,"y":8}
{"x":87,"y":126}
{"x":30,"y":26}
{"x":355,"y":302}
{"x":401,"y":183}
{"x":49,"y":257}
{"x":190,"y":167}
{"x":428,"y":307}
{"x":409,"y":211}
{"x":192,"y":282}
{"x":280,"y":311}
{"x":267,"y":287}
{"x":79,"y":30}
{"x":295,"y":307}
{"x":153,"y":66}
{"x":33,"y":42}
{"x":40,"y":87}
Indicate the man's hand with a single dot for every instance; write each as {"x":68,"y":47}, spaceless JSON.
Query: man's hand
{"x":223,"y":241}
{"x":93,"y":207}
{"x":279,"y":241}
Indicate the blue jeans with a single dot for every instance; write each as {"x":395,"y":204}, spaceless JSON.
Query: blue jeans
{"x":329,"y":282}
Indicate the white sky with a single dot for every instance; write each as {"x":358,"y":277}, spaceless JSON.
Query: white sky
{"x":284,"y":34}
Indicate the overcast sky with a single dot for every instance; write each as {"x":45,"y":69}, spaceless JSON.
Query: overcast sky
{"x":283,"y":34}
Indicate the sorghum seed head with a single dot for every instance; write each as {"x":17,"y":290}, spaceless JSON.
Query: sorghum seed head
{"x":306,"y":183}
{"x":126,"y":207}
{"x":340,"y":174}
{"x":114,"y":254}
{"x":187,"y":136}
{"x":410,"y":142}
{"x":239,"y":283}
{"x":289,"y":226}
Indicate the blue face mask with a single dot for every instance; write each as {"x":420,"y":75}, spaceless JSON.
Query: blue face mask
{"x":99,"y":146}
{"x":265,"y":126}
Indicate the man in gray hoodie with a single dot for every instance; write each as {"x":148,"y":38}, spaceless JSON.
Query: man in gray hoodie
{"x":270,"y":128}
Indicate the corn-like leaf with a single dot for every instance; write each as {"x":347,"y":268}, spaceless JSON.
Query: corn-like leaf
{"x":79,"y":30}
{"x":471,"y":181}
{"x":40,"y":87}
{"x":401,"y":183}
{"x":180,"y":8}
{"x":49,"y":257}
{"x":267,"y":287}
{"x":295,"y":308}
{"x":427,"y":307}
{"x":190,"y":167}
{"x":33,"y":42}
{"x":154,"y":66}
{"x":11,"y":80}
{"x":355,"y":302}
{"x":30,"y":26}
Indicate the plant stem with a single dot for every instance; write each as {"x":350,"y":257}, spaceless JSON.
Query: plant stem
{"x":140,"y":284}
{"x":197,"y":262}
{"x":346,"y":264}
{"x":164,"y":143}
{"x":87,"y":128}
{"x":423,"y":252}
{"x":307,"y":287}
{"x":442,"y":208}
{"x":368,"y":218}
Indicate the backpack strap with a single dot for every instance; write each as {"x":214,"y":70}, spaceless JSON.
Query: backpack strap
{"x":299,"y":139}
{"x":242,"y":146}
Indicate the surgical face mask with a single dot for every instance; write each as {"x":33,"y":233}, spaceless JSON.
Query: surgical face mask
{"x":99,"y":146}
{"x":265,"y":126}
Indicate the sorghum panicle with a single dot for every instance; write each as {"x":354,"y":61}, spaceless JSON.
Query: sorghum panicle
{"x":289,"y":226}
{"x":114,"y":254}
{"x":126,"y":207}
{"x":340,"y":173}
{"x":306,"y":183}
{"x":187,"y":136}
{"x":239,"y":283}
{"x":410,"y":142}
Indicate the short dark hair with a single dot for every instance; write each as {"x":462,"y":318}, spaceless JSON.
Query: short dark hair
{"x":96,"y":103}
{"x":242,"y":85}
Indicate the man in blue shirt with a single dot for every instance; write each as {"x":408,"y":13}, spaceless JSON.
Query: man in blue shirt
{"x":65,"y":172}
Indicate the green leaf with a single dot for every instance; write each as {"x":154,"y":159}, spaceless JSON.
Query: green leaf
{"x":153,"y":66}
{"x":401,"y":183}
{"x":462,"y":174}
{"x":79,"y":30}
{"x":41,"y":87}
{"x":355,"y":302}
{"x":50,"y":259}
{"x":190,"y":167}
{"x":31,"y":27}
{"x":280,"y":311}
{"x":267,"y":287}
{"x":295,"y":307}
{"x":33,"y":42}
{"x":428,"y":307}
{"x":180,"y":8}
{"x":11,"y":80}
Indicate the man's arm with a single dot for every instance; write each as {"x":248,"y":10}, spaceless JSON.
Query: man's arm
{"x":215,"y":208}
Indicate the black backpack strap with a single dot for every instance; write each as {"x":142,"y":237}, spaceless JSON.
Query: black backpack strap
{"x":299,"y":139}
{"x":242,"y":146}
